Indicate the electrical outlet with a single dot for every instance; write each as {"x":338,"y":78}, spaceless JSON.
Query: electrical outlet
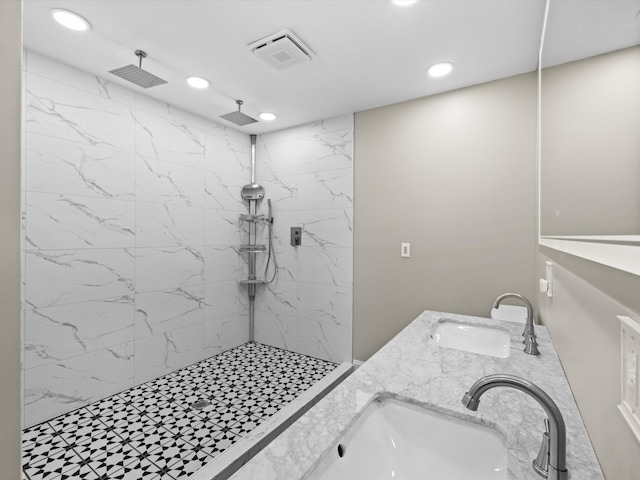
{"x":631,"y":387}
{"x":630,"y":342}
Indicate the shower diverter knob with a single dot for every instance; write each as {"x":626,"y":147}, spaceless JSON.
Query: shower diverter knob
{"x":296,"y":236}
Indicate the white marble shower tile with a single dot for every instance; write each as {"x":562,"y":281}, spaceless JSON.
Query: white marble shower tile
{"x":327,"y":228}
{"x":228,"y":154}
{"x":326,"y":151}
{"x":169,"y":268}
{"x":288,"y":135}
{"x":60,"y":72}
{"x":326,"y":265}
{"x":283,"y":220}
{"x":222,"y":263}
{"x":223,"y":333}
{"x":170,"y":140}
{"x":276,"y":330}
{"x":224,"y":299}
{"x":283,"y":193}
{"x":60,"y":166}
{"x":328,"y":125}
{"x":168,"y":183}
{"x":56,"y":388}
{"x":327,"y":304}
{"x":161,"y":354}
{"x":222,"y":228}
{"x":175,"y":115}
{"x":57,"y":277}
{"x":58,"y":333}
{"x":286,"y":259}
{"x":223,"y":192}
{"x":220,"y":129}
{"x":326,"y":189}
{"x":325,"y":341}
{"x":159,"y":225}
{"x":70,"y":222}
{"x":279,"y":298}
{"x":61,"y":111}
{"x":276,"y":160}
{"x":163,"y":311}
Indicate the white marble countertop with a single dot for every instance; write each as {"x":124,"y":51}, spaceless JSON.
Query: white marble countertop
{"x":412,"y":365}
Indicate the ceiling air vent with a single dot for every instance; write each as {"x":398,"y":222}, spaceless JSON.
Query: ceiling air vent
{"x":281,"y":50}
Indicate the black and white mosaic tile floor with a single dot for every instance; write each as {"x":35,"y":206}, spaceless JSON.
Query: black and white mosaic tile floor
{"x":170,"y":427}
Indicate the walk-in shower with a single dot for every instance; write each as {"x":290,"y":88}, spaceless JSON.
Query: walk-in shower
{"x":254,"y":193}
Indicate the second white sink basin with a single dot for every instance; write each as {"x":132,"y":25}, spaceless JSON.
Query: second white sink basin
{"x":393,"y":439}
{"x":472,"y":338}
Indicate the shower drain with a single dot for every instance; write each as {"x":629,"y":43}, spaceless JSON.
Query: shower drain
{"x":200,"y":404}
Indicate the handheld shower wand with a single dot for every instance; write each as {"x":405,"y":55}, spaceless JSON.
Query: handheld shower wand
{"x":271,"y":252}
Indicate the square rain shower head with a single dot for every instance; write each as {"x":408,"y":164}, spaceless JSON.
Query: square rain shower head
{"x":137,"y":75}
{"x":238,"y":118}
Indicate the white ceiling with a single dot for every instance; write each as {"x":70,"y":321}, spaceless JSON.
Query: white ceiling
{"x":368,"y":53}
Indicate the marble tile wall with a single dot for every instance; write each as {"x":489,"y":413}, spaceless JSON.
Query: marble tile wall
{"x":307,"y":173}
{"x":130,"y":239}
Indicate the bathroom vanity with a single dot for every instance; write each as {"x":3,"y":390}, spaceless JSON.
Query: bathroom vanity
{"x":415,"y":369}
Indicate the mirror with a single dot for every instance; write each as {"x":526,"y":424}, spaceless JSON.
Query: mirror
{"x":589,"y":130}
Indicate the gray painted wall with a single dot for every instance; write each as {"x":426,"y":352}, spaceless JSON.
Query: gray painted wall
{"x":581,"y":317}
{"x":590,"y":171}
{"x":453,"y":174}
{"x":10,"y":99}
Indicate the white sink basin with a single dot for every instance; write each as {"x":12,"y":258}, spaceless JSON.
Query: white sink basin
{"x":398,"y":440}
{"x":472,"y":338}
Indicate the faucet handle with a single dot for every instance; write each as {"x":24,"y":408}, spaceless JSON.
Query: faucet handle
{"x":541,"y":462}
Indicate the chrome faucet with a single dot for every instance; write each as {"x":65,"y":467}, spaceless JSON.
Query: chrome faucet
{"x":551,"y":461}
{"x":530,"y":342}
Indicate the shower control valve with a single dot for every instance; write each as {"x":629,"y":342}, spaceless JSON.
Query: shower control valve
{"x":296,"y":236}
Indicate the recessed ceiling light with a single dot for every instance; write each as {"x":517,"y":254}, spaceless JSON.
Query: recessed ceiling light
{"x":70,"y":20}
{"x":404,"y":3}
{"x":440,"y":69}
{"x":198,"y":82}
{"x":267,"y":116}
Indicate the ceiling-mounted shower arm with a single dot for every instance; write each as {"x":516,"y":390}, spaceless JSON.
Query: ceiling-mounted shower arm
{"x":140,"y":54}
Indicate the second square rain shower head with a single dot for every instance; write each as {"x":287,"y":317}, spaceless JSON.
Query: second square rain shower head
{"x":137,"y":75}
{"x":238,"y":117}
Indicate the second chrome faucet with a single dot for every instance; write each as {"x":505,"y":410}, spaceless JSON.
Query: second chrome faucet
{"x":529,"y":334}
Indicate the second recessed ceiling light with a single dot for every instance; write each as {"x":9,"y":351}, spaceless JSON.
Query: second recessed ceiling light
{"x":198,"y":82}
{"x":71,"y":20}
{"x":267,"y":116}
{"x":440,"y":69}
